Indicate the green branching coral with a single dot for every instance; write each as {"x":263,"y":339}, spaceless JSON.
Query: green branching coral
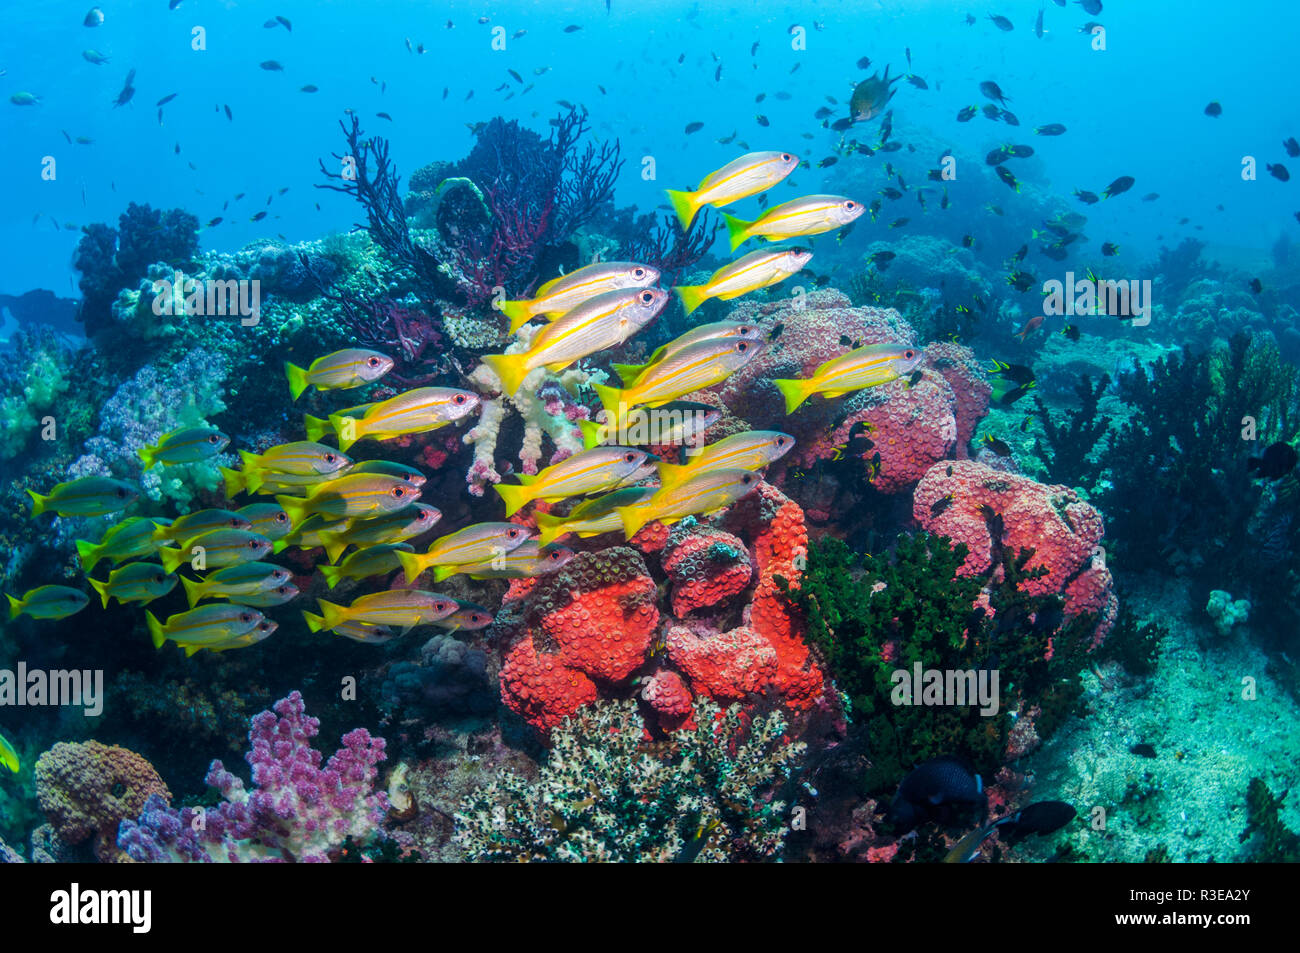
{"x":872,"y":616}
{"x":1067,"y":452}
{"x":605,"y":795}
{"x":1274,"y":842}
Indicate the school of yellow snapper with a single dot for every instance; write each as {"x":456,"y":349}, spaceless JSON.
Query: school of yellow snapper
{"x":322,"y":498}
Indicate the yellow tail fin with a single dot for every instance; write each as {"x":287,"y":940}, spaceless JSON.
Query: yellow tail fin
{"x":15,"y":606}
{"x":155,"y":629}
{"x":297,"y":379}
{"x":314,"y":622}
{"x":692,"y":296}
{"x":348,"y":434}
{"x":684,"y":205}
{"x":332,"y":575}
{"x":38,"y":503}
{"x":633,"y":517}
{"x":147,"y":456}
{"x":593,"y":434}
{"x":672,"y":474}
{"x":315,"y":427}
{"x":629,"y":372}
{"x":442,"y":572}
{"x":549,"y":528}
{"x":794,"y":391}
{"x":411,"y":565}
{"x":334,"y":545}
{"x":516,"y":497}
{"x":102,"y":589}
{"x":331,"y":613}
{"x":296,"y":508}
{"x":510,"y":368}
{"x":171,"y":557}
{"x":89,"y":554}
{"x":613,"y":400}
{"x":737,"y":230}
{"x":193,"y":591}
{"x":234,"y":482}
{"x":519,"y":313}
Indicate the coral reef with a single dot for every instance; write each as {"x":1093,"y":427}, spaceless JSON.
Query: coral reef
{"x":297,"y":810}
{"x":711,"y":793}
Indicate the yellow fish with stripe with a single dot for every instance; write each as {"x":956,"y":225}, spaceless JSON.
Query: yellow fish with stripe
{"x":364,"y":563}
{"x":751,"y":450}
{"x":137,"y":582}
{"x":9,"y":755}
{"x":750,"y":174}
{"x":400,"y":608}
{"x":592,"y":517}
{"x":389,"y":528}
{"x":473,"y":544}
{"x":703,"y":332}
{"x":350,"y":367}
{"x":603,"y":322}
{"x":676,"y":422}
{"x":87,"y":496}
{"x":562,"y":294}
{"x":362,"y":494}
{"x":758,"y":269}
{"x":266,"y":519}
{"x":692,"y":368}
{"x":468,"y":616}
{"x":236,"y":581}
{"x":128,"y":539}
{"x":267,"y":598}
{"x":702,"y":494}
{"x":48,"y":602}
{"x":415,"y":411}
{"x":868,"y":366}
{"x":222,"y":547}
{"x":300,"y":458}
{"x":810,"y":215}
{"x":187,"y":445}
{"x":317,"y":428}
{"x":204,"y":626}
{"x":310,"y":532}
{"x":198,"y":523}
{"x":259,"y":632}
{"x":524,"y":562}
{"x":600,"y":468}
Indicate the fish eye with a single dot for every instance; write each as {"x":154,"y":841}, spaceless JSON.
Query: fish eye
{"x":780,"y":441}
{"x":330,"y":458}
{"x":742,"y":347}
{"x":245,"y":617}
{"x":638,"y":272}
{"x":398,"y":492}
{"x":647,"y":297}
{"x":252,"y":544}
{"x":850,"y":205}
{"x":372,"y":361}
{"x":909,"y":354}
{"x":282,"y":517}
{"x":121,"y":492}
{"x":159,"y":577}
{"x":747,"y":479}
{"x":785,"y":157}
{"x":459,"y":398}
{"x":629,"y":457}
{"x":513,"y":533}
{"x":212,"y":438}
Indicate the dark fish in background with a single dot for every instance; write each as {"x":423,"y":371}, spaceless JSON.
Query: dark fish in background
{"x":1143,"y":750}
{"x":992,"y":91}
{"x":1020,"y":254}
{"x":1009,"y":117}
{"x":1038,"y":24}
{"x":1150,"y":196}
{"x":272,"y":66}
{"x":827,"y":162}
{"x":753,"y":49}
{"x":94,"y":17}
{"x":991,"y":112}
{"x":941,"y":504}
{"x":1087,"y":198}
{"x":1276,"y":462}
{"x":899,"y":222}
{"x":918,"y":82}
{"x":309,"y":88}
{"x":1002,"y":23}
{"x":1018,"y":152}
{"x":1279,"y":172}
{"x":693,"y":127}
{"x":1005,"y":175}
{"x":287,"y":25}
{"x":1090,"y":26}
{"x":942,"y":789}
{"x":1214,"y":109}
{"x":823,"y":112}
{"x":871,"y":96}
{"x":967,"y":114}
{"x":998,"y":447}
{"x":762,"y":120}
{"x":1041,"y":817}
{"x":215,"y":222}
{"x":1256,"y":285}
{"x":229,"y":114}
{"x":1051,"y":129}
{"x":889,"y":147}
{"x":1071,"y":331}
{"x":1291,"y":146}
{"x":996,"y":156}
{"x":864,"y":63}
{"x":258,"y":216}
{"x":1090,"y":7}
{"x":881,"y":259}
{"x":1016,"y":373}
{"x":166,"y":99}
{"x":968,"y":241}
{"x":1021,"y":280}
{"x":1119,"y":186}
{"x":572,"y":28}
{"x":1110,"y":249}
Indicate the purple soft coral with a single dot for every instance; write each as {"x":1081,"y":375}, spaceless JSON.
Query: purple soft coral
{"x":296,"y":811}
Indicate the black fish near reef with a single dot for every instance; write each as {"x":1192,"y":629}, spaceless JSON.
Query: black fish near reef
{"x":1214,"y":109}
{"x":1005,"y":175}
{"x":1279,"y":172}
{"x":1051,"y":129}
{"x":1143,"y":750}
{"x":871,"y":96}
{"x":991,"y":90}
{"x":941,"y":789}
{"x":1276,"y":462}
{"x":1002,"y":23}
{"x":1087,"y":198}
{"x":1119,"y":186}
{"x":967,"y":114}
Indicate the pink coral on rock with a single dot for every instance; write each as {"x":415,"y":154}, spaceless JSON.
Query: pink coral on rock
{"x":970,"y":387}
{"x":1064,"y":531}
{"x":706,"y":566}
{"x":667,"y":694}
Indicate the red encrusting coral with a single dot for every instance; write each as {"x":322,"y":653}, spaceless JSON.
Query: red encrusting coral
{"x":1064,"y":531}
{"x":667,"y":694}
{"x":970,"y":387}
{"x":706,"y":566}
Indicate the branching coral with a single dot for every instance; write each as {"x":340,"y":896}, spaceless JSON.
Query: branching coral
{"x":1067,"y":454}
{"x":604,"y":796}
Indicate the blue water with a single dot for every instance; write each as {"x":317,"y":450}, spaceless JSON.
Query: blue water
{"x":1134,"y":109}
